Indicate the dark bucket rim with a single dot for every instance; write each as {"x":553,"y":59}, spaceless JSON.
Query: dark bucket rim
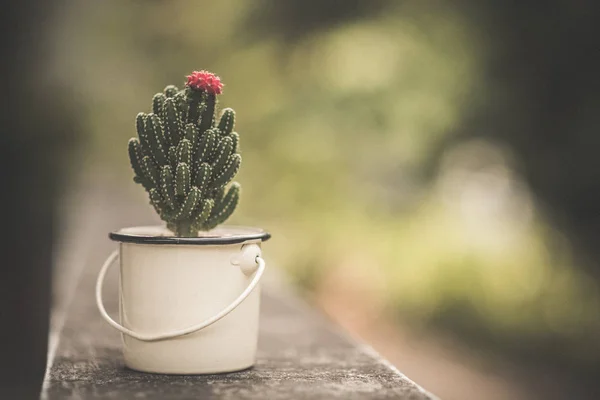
{"x":222,"y":235}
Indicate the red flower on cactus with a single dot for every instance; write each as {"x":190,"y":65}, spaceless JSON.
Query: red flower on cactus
{"x":204,"y":80}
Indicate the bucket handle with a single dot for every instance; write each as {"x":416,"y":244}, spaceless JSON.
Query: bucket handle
{"x":248,"y":251}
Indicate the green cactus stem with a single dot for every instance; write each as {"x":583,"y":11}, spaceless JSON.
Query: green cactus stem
{"x":184,"y":156}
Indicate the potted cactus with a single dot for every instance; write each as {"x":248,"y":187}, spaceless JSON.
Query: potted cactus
{"x":189,"y":297}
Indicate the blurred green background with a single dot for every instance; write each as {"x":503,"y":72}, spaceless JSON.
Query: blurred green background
{"x":392,"y":148}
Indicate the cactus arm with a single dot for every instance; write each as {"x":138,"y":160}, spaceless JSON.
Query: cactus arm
{"x":191,"y":133}
{"x":184,"y":150}
{"x":173,"y":156}
{"x":235,"y":138}
{"x":203,"y":212}
{"x":229,"y":171}
{"x":150,"y":171}
{"x":182,"y":179}
{"x":202,"y":176}
{"x":218,"y":194}
{"x":158,"y":102}
{"x":172,"y":121}
{"x":227,"y":122}
{"x":191,"y":201}
{"x":170,"y":90}
{"x":224,"y":208}
{"x":182,"y":105}
{"x":230,"y":202}
{"x":140,"y":125}
{"x":167,"y":186}
{"x":158,"y":142}
{"x":197,"y":104}
{"x":135,"y":156}
{"x":156,"y":200}
{"x":206,"y":146}
{"x":221,"y":155}
{"x":200,"y":111}
{"x":207,"y":118}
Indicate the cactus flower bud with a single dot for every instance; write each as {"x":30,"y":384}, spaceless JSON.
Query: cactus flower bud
{"x":205,"y":81}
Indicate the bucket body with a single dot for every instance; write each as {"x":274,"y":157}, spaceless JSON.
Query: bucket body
{"x":169,"y":287}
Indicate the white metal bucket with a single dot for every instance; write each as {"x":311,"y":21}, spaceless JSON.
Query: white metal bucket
{"x":187,"y":305}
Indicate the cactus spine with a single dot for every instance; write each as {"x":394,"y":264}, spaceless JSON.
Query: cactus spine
{"x":185,"y":157}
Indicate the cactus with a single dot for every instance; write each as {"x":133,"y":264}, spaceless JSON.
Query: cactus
{"x":185,"y":157}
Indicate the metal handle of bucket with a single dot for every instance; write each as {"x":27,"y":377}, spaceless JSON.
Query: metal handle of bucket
{"x":181,"y":332}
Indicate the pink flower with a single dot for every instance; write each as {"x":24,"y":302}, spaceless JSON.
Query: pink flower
{"x":206,"y":81}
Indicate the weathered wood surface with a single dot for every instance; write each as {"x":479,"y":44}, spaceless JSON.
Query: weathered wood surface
{"x":301,"y":355}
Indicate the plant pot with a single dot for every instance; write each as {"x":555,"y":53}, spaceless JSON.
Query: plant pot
{"x":187,"y":305}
